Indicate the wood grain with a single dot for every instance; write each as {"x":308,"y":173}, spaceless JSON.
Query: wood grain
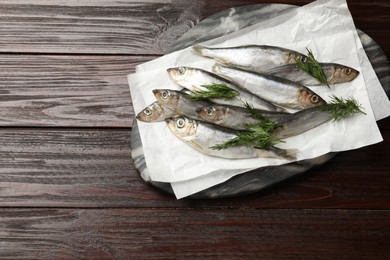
{"x":93,"y":168}
{"x":68,"y":186}
{"x":197,"y":233}
{"x":66,"y":90}
{"x":79,"y":91}
{"x":133,"y":27}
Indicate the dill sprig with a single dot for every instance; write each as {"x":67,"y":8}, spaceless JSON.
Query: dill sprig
{"x":264,"y":122}
{"x":312,"y":67}
{"x":254,"y":113}
{"x":340,"y":108}
{"x":257,"y":135}
{"x":214,"y":91}
{"x":254,"y":135}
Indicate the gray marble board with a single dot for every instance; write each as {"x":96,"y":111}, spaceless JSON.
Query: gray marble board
{"x":223,"y":23}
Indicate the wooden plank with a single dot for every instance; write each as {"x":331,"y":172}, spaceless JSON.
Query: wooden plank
{"x":128,"y":27}
{"x":93,"y":168}
{"x":115,"y":27}
{"x":177,"y":233}
{"x":80,"y":91}
{"x":66,"y":91}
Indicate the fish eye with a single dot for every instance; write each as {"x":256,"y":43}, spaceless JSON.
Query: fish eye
{"x":181,"y":70}
{"x":210,"y":111}
{"x":148,"y":111}
{"x":180,"y":123}
{"x":314,"y":99}
{"x":165,"y":94}
{"x":347,"y":71}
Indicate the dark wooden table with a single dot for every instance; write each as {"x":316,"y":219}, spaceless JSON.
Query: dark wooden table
{"x":68,"y":186}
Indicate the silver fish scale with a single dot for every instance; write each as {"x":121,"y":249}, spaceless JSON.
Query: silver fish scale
{"x":207,"y":136}
{"x":195,"y":79}
{"x":278,"y":91}
{"x":236,"y":117}
{"x":333,"y":72}
{"x":250,"y":57}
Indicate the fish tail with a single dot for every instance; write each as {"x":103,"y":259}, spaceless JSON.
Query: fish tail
{"x":209,"y":53}
{"x":290,"y":154}
{"x":200,"y":50}
{"x":282,"y":109}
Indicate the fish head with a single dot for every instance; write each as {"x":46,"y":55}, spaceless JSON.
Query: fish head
{"x":153,"y":112}
{"x":179,"y":74}
{"x":292,"y":57}
{"x":343,"y":73}
{"x":182,"y":127}
{"x":211,"y":113}
{"x":167,"y":97}
{"x":308,"y":98}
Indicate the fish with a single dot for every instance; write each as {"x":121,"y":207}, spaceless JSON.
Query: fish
{"x":251,"y":57}
{"x":235,"y":117}
{"x":280,"y":91}
{"x":301,"y":121}
{"x":155,"y":113}
{"x":202,"y":136}
{"x":179,"y":102}
{"x":335,"y":73}
{"x":194,"y":79}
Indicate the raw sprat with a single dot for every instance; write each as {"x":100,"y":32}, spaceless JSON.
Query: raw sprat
{"x":251,"y":57}
{"x":155,"y":113}
{"x":266,"y":133}
{"x":280,"y":91}
{"x":209,"y":85}
{"x":234,"y":117}
{"x":203,"y":137}
{"x":206,"y":115}
{"x":334,"y":73}
{"x":179,"y":102}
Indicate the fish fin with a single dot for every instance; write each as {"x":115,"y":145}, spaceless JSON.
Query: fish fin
{"x":197,"y":147}
{"x":225,"y":63}
{"x":281,"y":109}
{"x":215,"y":68}
{"x":186,"y":91}
{"x":288,"y":154}
{"x":282,"y":68}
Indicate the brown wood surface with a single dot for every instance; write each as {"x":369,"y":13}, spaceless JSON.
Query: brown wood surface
{"x":194,"y":233}
{"x":93,"y":168}
{"x":66,"y":90}
{"x":68,"y":186}
{"x":135,"y":27}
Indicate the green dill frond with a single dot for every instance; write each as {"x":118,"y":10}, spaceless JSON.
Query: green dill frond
{"x":312,"y":67}
{"x":259,"y":135}
{"x":262,"y":133}
{"x":214,"y":91}
{"x":253,"y":111}
{"x":242,"y":139}
{"x":340,"y":108}
{"x":255,"y":135}
{"x":264,"y":122}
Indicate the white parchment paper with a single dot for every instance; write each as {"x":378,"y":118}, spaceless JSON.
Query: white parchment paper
{"x":326,"y":27}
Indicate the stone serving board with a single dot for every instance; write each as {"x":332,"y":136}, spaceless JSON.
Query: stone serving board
{"x":223,"y":23}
